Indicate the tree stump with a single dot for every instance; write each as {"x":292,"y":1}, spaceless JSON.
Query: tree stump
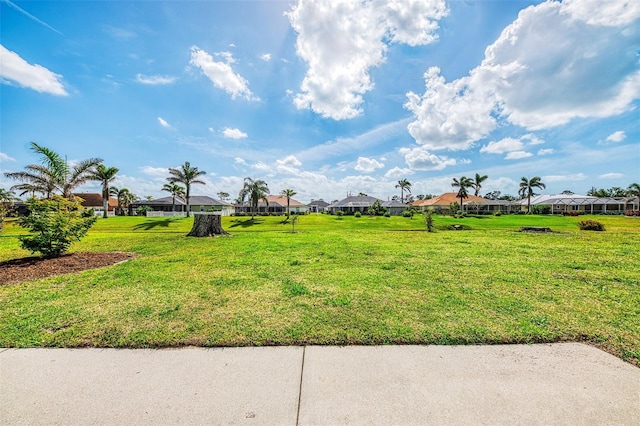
{"x":206,"y":225}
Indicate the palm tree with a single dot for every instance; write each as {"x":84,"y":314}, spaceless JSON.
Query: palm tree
{"x":463,"y":183}
{"x":54,"y":174}
{"x":254,"y":190}
{"x":187,"y":176}
{"x":289,"y":193}
{"x":224,"y":196}
{"x":124,"y":197}
{"x":526,"y":189}
{"x":477,"y":183}
{"x":404,"y":185}
{"x":176,"y":191}
{"x":633,"y":190}
{"x":104,"y":175}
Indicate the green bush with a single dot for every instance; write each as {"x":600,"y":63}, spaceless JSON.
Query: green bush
{"x":53,"y":226}
{"x":498,"y":213}
{"x":541,"y":209}
{"x":590,"y":225}
{"x":142,"y":210}
{"x":407,"y":213}
{"x":387,"y":214}
{"x":357,"y":214}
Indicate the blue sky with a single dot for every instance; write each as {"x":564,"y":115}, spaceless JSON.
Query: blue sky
{"x":327,"y":98}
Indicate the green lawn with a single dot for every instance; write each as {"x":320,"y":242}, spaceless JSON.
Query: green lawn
{"x":351,"y":281}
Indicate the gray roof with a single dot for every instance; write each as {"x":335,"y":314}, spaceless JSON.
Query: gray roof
{"x":356,"y":201}
{"x":319,"y":203}
{"x":394,"y":203}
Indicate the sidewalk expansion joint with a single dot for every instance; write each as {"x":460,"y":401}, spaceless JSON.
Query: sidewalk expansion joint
{"x":304,"y":349}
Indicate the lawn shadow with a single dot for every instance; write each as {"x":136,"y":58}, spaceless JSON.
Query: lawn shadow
{"x":151,"y":224}
{"x":245,"y":223}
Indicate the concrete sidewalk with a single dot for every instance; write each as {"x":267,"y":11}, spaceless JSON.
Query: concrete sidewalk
{"x":566,"y":383}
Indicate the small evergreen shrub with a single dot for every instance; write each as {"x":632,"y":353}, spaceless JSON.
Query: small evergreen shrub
{"x":407,"y":213}
{"x":387,"y":214}
{"x":357,"y":214}
{"x":498,"y":213}
{"x":53,"y":226}
{"x":590,"y":225}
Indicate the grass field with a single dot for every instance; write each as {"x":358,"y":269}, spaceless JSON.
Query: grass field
{"x":351,"y":281}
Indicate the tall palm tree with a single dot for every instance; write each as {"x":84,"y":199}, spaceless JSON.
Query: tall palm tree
{"x":254,"y":190}
{"x":633,"y":190}
{"x":53,"y":174}
{"x":462,"y":184}
{"x":176,"y":191}
{"x":187,"y":176}
{"x":477,"y":183}
{"x":404,"y":185}
{"x":527,"y":186}
{"x":289,"y":193}
{"x":105,"y":175}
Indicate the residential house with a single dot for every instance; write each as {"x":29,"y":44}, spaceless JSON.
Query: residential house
{"x":442,"y":203}
{"x":197,"y":203}
{"x":574,"y":203}
{"x":277,"y":205}
{"x":352,"y":204}
{"x":395,"y":207}
{"x":317,"y":206}
{"x":94,"y":201}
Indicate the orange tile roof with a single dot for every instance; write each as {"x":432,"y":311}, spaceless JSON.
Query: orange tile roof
{"x":282,"y":200}
{"x":446,"y":199}
{"x":95,"y":200}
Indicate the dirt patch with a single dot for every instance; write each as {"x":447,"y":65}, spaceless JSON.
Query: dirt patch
{"x":32,"y":268}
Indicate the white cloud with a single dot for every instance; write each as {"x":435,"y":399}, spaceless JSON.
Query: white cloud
{"x":164,"y":123}
{"x":4,"y":157}
{"x":517,"y":155}
{"x":155,"y":171}
{"x":288,"y":165}
{"x":421,"y":159}
{"x":367,"y":165}
{"x":515,"y":148}
{"x":502,"y":146}
{"x":618,"y":136}
{"x":554,"y":63}
{"x":15,"y":69}
{"x":262,"y":167}
{"x":397,"y":172}
{"x":564,"y":178}
{"x":342,"y":40}
{"x":611,"y":176}
{"x":155,"y":79}
{"x":221,"y":74}
{"x":233,"y":133}
{"x":239,"y":160}
{"x":266,"y":57}
{"x":212,"y":130}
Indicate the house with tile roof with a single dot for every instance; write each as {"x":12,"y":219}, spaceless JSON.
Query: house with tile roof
{"x":442,"y":203}
{"x":91,"y":200}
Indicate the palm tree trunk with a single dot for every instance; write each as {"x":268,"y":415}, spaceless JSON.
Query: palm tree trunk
{"x":105,"y":201}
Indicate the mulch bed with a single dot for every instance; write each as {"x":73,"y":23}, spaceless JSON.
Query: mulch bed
{"x":32,"y":268}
